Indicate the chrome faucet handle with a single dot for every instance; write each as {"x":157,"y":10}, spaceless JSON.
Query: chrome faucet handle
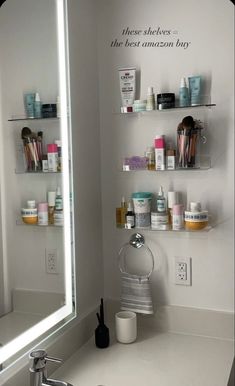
{"x":40,"y":358}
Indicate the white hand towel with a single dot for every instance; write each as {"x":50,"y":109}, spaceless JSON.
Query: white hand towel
{"x":136,"y":294}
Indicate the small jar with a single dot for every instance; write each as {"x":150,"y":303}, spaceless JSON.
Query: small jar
{"x":43,"y":213}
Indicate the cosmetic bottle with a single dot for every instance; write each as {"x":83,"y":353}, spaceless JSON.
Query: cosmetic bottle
{"x":183,"y":94}
{"x":43,"y":213}
{"x":150,"y":154}
{"x":177,"y":217}
{"x":172,"y":199}
{"x":170,"y":157}
{"x":59,"y":151}
{"x":150,"y":100}
{"x":123,"y":212}
{"x":37,"y":106}
{"x":58,"y":213}
{"x":161,"y":201}
{"x":52,"y":157}
{"x":29,"y":99}
{"x":51,"y":206}
{"x":118,"y":217}
{"x":130,"y":216}
{"x":44,"y":163}
{"x":159,"y":152}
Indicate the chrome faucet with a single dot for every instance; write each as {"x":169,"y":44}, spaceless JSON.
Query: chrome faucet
{"x":38,"y":371}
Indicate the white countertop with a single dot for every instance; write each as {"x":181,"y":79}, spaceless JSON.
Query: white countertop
{"x":155,"y":359}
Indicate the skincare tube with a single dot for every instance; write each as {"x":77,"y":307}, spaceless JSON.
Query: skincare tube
{"x":127,"y":79}
{"x":195,"y":90}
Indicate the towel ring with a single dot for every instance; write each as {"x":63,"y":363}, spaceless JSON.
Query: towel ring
{"x":136,"y":241}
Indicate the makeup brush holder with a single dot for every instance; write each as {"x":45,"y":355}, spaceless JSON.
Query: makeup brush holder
{"x":189,"y":143}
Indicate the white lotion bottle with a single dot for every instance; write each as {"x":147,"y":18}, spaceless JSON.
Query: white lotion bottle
{"x":150,"y":100}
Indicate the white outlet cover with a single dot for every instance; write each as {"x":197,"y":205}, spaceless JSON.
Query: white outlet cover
{"x":183,"y":270}
{"x":51,"y":261}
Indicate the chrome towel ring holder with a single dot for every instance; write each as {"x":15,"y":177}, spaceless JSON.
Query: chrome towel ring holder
{"x":137,"y":241}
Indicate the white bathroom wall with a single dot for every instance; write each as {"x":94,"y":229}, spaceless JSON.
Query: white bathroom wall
{"x":205,"y":29}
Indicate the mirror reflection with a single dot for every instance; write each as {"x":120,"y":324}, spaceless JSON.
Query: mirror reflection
{"x":35,"y":181}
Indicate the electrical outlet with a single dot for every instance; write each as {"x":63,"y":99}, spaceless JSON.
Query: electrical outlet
{"x":51,"y":261}
{"x":183,"y":270}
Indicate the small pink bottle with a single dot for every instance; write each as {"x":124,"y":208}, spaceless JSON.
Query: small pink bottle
{"x":177,"y":217}
{"x":43,"y":213}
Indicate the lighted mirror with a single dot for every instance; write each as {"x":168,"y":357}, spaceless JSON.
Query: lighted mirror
{"x":36,"y":207}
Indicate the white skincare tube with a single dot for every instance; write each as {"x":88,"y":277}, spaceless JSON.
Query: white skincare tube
{"x":195,"y":90}
{"x":127,"y":79}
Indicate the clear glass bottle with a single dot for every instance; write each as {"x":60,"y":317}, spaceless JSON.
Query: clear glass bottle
{"x":161,"y":201}
{"x":150,"y":154}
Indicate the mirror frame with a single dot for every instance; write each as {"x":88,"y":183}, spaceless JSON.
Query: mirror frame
{"x":59,"y":318}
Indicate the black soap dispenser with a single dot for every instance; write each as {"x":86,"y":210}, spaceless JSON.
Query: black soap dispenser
{"x":101,"y":331}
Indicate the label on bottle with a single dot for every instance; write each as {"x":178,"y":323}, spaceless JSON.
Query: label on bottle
{"x":58,"y":218}
{"x":52,"y":162}
{"x":42,"y":218}
{"x":170,"y":159}
{"x":161,"y":205}
{"x":58,"y":203}
{"x":177,"y":222}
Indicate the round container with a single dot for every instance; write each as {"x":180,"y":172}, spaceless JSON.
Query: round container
{"x":142,"y":208}
{"x":139,"y":105}
{"x":165,"y":100}
{"x":49,"y":110}
{"x":196,"y":220}
{"x":126,"y":326}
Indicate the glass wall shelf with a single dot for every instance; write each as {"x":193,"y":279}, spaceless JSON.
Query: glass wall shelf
{"x":20,"y":222}
{"x":150,"y":229}
{"x":15,"y":118}
{"x":179,"y":108}
{"x":204,"y":163}
{"x":34,"y":172}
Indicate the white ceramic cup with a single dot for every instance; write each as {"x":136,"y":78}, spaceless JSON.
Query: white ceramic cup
{"x":126,"y":326}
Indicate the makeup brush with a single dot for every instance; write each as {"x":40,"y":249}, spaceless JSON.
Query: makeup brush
{"x":26,"y":132}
